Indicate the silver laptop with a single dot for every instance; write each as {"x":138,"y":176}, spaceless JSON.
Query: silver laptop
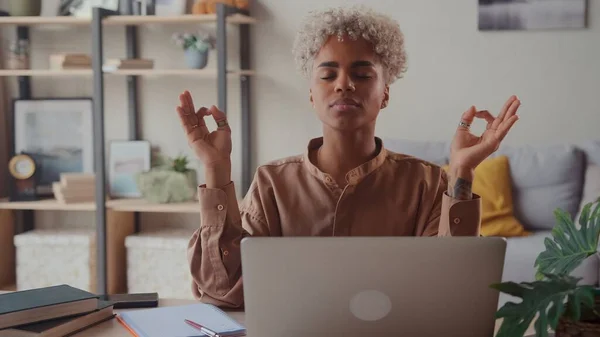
{"x":371,"y":286}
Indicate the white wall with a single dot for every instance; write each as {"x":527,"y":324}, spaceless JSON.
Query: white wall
{"x":451,"y":66}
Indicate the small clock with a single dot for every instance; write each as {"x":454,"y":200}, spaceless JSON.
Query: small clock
{"x":23,"y":169}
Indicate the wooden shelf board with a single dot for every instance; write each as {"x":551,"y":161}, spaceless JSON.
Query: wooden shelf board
{"x":141,"y":205}
{"x":8,"y":287}
{"x":208,"y":73}
{"x":43,"y":20}
{"x":121,"y":205}
{"x":46,"y":204}
{"x":123,"y":20}
{"x":45,"y":72}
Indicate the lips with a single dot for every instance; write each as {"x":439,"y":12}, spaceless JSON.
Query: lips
{"x":345,"y":102}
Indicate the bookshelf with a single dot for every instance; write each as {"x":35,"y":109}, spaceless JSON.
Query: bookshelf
{"x":201,"y":73}
{"x":117,"y":218}
{"x":124,"y":20}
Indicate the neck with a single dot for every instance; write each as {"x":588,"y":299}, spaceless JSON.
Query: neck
{"x":342,"y":152}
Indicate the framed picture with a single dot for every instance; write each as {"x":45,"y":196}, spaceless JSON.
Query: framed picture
{"x":126,"y":160}
{"x":532,"y":14}
{"x":57,"y":133}
{"x":83,"y":8}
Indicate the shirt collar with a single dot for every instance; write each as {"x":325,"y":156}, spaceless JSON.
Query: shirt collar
{"x":353,"y":177}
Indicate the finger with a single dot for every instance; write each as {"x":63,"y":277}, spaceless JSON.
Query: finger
{"x":512,"y":110}
{"x":502,"y":113}
{"x":189,"y":102}
{"x":184,"y":105}
{"x":193,"y":127}
{"x":506,"y":126}
{"x":467,"y":117}
{"x":220,"y":118}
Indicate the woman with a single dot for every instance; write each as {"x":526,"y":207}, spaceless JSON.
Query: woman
{"x":346,"y":183}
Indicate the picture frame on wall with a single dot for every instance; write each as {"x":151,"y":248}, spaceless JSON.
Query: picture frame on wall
{"x":126,"y":160}
{"x":524,"y":15}
{"x":83,"y":8}
{"x":57,"y":133}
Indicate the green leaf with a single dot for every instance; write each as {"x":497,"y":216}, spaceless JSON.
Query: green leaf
{"x":569,"y":245}
{"x":548,"y":299}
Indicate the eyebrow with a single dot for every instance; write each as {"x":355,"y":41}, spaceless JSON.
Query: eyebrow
{"x":333,"y":64}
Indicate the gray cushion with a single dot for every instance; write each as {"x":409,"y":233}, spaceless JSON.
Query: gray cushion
{"x":545,"y":178}
{"x":591,"y":186}
{"x":435,"y":152}
{"x":521,"y":253}
{"x":592,"y":151}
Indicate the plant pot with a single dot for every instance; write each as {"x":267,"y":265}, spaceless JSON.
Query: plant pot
{"x":166,"y":186}
{"x":588,"y":326}
{"x":196,"y":59}
{"x":25,"y":7}
{"x":568,"y":328}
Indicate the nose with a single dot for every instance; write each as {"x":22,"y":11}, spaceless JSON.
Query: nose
{"x":344,"y":83}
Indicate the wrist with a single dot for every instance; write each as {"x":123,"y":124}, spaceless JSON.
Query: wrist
{"x":460,"y":182}
{"x":217,"y":176}
{"x":465,"y":173}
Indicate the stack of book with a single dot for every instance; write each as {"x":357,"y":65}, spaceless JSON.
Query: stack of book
{"x":55,"y":311}
{"x":70,"y":61}
{"x":119,"y":64}
{"x":75,"y":188}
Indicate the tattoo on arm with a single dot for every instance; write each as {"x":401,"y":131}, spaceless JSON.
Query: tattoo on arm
{"x":461,"y":189}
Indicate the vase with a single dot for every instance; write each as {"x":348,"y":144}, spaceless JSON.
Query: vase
{"x":25,"y":7}
{"x":196,"y":59}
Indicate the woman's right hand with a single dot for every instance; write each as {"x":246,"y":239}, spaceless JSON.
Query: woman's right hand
{"x":212,"y":148}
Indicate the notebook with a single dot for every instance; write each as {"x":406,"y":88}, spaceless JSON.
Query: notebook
{"x":169,"y":321}
{"x":36,"y":305}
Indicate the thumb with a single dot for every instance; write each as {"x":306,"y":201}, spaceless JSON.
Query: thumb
{"x":467,"y":117}
{"x":220,"y":118}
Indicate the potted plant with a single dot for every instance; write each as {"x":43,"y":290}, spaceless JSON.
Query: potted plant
{"x":196,"y":47}
{"x":555,"y":299}
{"x":169,"y":181}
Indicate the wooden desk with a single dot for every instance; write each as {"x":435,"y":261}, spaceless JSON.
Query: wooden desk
{"x":113,"y":328}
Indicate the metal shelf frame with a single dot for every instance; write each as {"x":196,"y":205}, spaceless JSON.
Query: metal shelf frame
{"x":26,"y":218}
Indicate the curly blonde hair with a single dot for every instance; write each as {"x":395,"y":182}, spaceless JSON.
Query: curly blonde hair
{"x":356,"y":21}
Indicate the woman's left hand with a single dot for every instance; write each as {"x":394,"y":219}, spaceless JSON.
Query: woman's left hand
{"x":469,"y":150}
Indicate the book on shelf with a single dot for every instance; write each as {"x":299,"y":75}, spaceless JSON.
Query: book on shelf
{"x":63,"y":326}
{"x":42,"y":304}
{"x":74,"y":188}
{"x":119,"y":64}
{"x":68,"y":61}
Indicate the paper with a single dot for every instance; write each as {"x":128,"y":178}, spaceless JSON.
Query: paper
{"x":169,"y":321}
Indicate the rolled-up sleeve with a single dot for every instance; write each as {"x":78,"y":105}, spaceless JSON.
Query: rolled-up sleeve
{"x":445,"y":215}
{"x":214,"y":248}
{"x":460,"y":217}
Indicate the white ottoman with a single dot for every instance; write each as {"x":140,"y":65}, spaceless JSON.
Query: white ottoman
{"x":47,"y":257}
{"x":157,"y":262}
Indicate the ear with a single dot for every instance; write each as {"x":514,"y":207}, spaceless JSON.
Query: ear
{"x":310,"y":97}
{"x":386,"y":97}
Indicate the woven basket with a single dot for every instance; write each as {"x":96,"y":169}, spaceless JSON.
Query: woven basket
{"x":568,"y":328}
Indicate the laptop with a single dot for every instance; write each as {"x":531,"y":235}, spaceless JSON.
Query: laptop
{"x":371,"y":286}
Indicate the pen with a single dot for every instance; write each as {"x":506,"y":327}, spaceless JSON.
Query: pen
{"x":202,"y":329}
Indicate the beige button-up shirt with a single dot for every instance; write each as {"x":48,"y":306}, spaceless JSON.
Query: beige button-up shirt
{"x":391,"y":195}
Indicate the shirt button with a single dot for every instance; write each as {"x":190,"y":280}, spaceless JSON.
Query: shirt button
{"x":457,"y":220}
{"x":220,"y":207}
{"x":225,"y":252}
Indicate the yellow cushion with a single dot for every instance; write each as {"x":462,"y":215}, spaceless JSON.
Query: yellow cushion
{"x":493,"y":184}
